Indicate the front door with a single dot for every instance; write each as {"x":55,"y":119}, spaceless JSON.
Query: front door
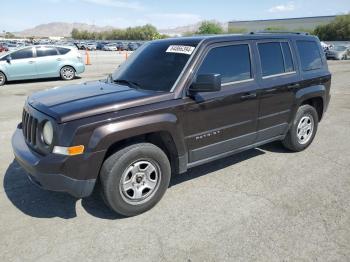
{"x":218,"y":123}
{"x":21,"y":65}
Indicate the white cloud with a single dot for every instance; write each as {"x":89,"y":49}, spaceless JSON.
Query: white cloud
{"x":283,"y":8}
{"x":116,"y":3}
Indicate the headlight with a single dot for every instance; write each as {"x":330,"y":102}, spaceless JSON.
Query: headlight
{"x":48,"y":133}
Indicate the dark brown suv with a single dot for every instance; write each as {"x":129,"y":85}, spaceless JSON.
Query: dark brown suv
{"x":174,"y":104}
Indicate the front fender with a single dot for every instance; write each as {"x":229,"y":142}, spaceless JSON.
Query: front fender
{"x":108,"y":134}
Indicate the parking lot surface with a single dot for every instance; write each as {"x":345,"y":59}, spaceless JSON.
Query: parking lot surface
{"x":266,"y":204}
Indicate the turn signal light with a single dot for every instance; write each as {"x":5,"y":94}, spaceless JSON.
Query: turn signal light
{"x":69,"y":151}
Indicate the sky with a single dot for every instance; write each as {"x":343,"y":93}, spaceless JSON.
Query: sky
{"x":17,"y":15}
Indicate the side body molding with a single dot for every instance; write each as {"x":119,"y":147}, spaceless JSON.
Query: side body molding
{"x":108,"y":134}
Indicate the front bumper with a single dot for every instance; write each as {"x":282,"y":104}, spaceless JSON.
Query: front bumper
{"x":49,"y":172}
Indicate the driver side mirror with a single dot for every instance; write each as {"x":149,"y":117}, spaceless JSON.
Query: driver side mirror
{"x":8,"y":59}
{"x":206,"y":83}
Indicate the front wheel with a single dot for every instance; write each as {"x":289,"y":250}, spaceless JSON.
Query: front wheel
{"x":135,"y":178}
{"x":67,"y":73}
{"x":303,"y":129}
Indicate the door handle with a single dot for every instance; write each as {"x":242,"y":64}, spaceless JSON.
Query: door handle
{"x":59,"y":59}
{"x":31,"y":62}
{"x":248,"y":96}
{"x":292,"y":86}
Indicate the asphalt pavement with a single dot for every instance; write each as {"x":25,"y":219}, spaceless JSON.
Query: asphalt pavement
{"x":265,"y":204}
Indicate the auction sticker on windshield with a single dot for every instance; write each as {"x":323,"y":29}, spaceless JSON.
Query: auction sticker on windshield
{"x":181,"y":49}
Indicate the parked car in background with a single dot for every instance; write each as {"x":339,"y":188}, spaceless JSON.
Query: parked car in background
{"x":122,"y":46}
{"x":12,"y":46}
{"x":41,"y":62}
{"x":338,"y":52}
{"x":90,"y":46}
{"x":100,"y":45}
{"x":3,"y":48}
{"x":109,"y":47}
{"x":132,"y":46}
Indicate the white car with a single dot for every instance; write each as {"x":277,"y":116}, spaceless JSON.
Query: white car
{"x":110,"y":47}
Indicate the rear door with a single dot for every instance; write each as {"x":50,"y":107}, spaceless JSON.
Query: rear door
{"x":47,"y":61}
{"x":217,"y":123}
{"x":22,"y":65}
{"x":278,"y":80}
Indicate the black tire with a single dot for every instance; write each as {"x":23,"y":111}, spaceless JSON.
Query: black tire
{"x":2,"y":79}
{"x":115,"y":169}
{"x":292,"y":141}
{"x":67,"y":73}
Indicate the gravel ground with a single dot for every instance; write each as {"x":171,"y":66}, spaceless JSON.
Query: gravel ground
{"x":265,"y":204}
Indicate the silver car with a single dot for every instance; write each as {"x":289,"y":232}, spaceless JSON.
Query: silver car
{"x":41,"y":62}
{"x":338,"y":52}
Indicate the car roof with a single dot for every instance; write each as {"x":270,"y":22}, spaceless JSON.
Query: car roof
{"x":236,"y":37}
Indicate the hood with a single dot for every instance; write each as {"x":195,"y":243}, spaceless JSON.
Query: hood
{"x":92,"y":98}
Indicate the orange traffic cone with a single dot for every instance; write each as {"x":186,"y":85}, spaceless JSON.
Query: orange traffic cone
{"x":88,"y":62}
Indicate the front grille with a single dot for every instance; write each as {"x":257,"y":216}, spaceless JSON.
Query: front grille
{"x":30,"y":128}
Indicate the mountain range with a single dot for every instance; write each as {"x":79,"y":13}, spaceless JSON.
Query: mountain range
{"x":65,"y":29}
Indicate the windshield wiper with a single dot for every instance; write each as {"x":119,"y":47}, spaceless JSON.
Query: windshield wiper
{"x":127,"y":82}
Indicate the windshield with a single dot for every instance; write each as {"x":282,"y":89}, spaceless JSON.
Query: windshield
{"x":339,"y":48}
{"x":155,"y":65}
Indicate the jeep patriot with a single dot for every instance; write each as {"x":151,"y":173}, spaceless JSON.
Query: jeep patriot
{"x":173,"y":105}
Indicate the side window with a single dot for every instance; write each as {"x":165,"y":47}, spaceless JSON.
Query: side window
{"x":22,"y":54}
{"x":46,"y":51}
{"x":309,"y":54}
{"x":271,"y":58}
{"x":232,"y":62}
{"x":63,"y":50}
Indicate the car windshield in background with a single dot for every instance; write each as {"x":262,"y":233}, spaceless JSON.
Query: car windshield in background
{"x":340,"y":48}
{"x":155,"y":66}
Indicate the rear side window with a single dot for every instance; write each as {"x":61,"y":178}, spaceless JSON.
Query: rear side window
{"x":63,"y":50}
{"x":45,"y":51}
{"x":232,"y":62}
{"x":276,"y":58}
{"x":310,"y":56}
{"x":22,"y":54}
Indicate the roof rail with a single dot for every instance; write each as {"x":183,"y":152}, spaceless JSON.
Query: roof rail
{"x":279,"y":32}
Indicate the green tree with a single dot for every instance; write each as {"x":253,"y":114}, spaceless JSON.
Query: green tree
{"x":236,"y":30}
{"x":337,"y":30}
{"x":9,"y":35}
{"x":210,"y":27}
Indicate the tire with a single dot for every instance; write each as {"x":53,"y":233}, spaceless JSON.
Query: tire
{"x":303,"y":130}
{"x":67,"y":73}
{"x":127,"y":187}
{"x":2,"y":79}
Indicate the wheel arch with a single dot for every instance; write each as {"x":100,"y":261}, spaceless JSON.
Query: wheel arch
{"x":161,"y":130}
{"x":314,"y":96}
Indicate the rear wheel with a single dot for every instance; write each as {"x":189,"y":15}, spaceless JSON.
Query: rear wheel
{"x":2,"y":79}
{"x":67,"y":73}
{"x":135,"y":178}
{"x":303,"y":129}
